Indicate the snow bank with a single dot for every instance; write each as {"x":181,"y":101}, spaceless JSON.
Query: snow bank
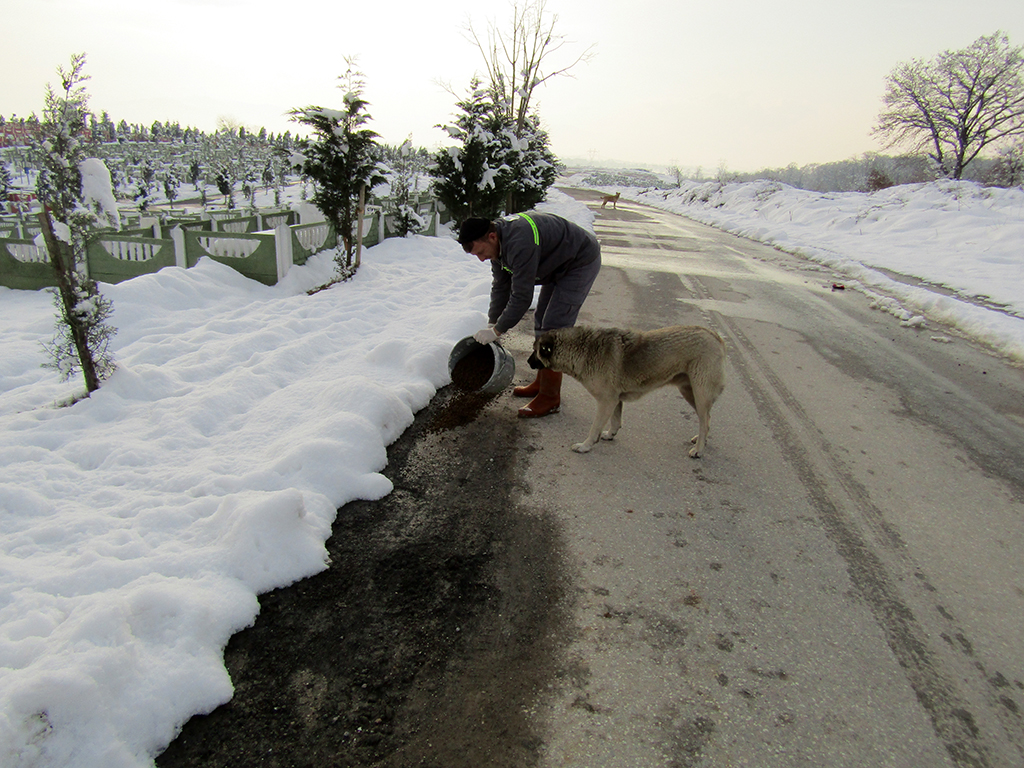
{"x":140,"y":524}
{"x":946,"y":251}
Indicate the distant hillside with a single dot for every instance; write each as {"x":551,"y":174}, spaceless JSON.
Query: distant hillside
{"x":619,"y":177}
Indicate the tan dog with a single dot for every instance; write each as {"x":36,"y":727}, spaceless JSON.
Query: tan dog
{"x":616,"y":366}
{"x":613,"y":199}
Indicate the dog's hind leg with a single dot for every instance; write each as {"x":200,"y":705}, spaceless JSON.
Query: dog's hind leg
{"x":683,"y":382}
{"x":616,"y":425}
{"x":701,"y":400}
{"x":703,"y":408}
{"x":605,"y":408}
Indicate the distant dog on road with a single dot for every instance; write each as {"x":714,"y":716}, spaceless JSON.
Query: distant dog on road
{"x":613,"y":199}
{"x":616,"y":366}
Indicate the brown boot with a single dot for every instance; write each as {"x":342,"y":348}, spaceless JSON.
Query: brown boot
{"x":548,"y":398}
{"x":530,"y":390}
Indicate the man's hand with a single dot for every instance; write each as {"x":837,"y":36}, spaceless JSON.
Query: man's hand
{"x":486,"y":336}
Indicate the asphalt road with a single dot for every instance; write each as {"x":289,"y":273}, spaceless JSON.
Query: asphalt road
{"x":837,"y":582}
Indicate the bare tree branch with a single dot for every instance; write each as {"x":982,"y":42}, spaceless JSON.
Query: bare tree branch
{"x":515,"y":59}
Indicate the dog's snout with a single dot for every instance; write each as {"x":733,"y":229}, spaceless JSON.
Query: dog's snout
{"x":535,"y":362}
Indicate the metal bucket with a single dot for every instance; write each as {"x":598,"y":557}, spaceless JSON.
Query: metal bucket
{"x":502,"y":372}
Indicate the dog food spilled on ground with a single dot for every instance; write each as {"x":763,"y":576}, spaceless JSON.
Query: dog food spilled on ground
{"x":460,"y":410}
{"x":468,"y":375}
{"x":474,"y":370}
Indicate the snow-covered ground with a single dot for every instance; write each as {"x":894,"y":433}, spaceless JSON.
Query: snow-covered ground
{"x":946,"y":252}
{"x":138,"y":526}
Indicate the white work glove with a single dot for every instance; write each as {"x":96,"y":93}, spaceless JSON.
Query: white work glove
{"x":486,"y":336}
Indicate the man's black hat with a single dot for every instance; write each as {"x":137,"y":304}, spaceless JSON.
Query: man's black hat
{"x":473,"y":229}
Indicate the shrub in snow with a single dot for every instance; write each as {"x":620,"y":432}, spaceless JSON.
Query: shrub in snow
{"x":1009,"y":168}
{"x":877,"y":180}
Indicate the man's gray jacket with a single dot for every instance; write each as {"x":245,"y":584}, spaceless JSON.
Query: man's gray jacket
{"x":534,"y":249}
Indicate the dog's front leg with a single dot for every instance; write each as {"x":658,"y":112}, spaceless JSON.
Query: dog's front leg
{"x":604,"y":412}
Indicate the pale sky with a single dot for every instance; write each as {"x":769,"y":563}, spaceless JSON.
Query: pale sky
{"x":744,"y":84}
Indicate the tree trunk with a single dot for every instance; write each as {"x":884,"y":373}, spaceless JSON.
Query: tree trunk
{"x":62,"y":259}
{"x":360,"y":212}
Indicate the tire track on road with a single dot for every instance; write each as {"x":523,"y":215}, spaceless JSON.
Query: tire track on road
{"x":953,"y":723}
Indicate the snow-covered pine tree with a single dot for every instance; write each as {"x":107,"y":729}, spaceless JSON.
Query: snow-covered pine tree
{"x":534,"y":166}
{"x":145,"y":177}
{"x":198,"y":169}
{"x":194,"y":171}
{"x":399,"y":203}
{"x":169,"y":181}
{"x":226,"y":184}
{"x":5,"y":183}
{"x":268,"y":176}
{"x":340,"y":158}
{"x":471,"y":178}
{"x":82,"y":335}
